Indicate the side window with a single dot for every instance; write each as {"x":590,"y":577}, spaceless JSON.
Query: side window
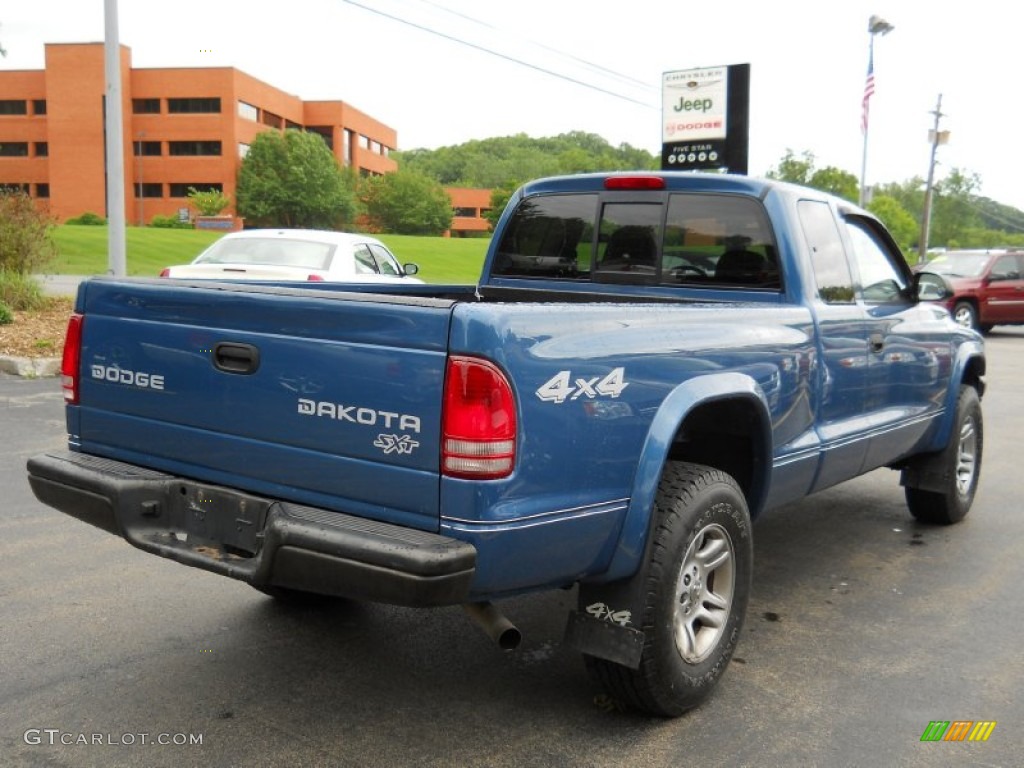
{"x":828,"y":260}
{"x":548,"y":237}
{"x":1005,"y":268}
{"x":364,"y":263}
{"x":881,"y":281}
{"x":386,"y":263}
{"x":719,"y":240}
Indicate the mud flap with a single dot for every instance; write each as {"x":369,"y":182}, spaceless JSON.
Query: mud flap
{"x":603,"y":626}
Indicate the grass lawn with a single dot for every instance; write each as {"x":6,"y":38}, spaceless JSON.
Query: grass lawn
{"x":82,"y":250}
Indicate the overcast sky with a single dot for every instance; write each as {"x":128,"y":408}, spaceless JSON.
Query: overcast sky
{"x":808,"y":65}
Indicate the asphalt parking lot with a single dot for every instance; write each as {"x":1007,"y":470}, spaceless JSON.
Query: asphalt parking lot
{"x":863,"y":628}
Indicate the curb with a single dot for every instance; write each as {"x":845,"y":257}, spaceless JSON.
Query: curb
{"x":30,"y":367}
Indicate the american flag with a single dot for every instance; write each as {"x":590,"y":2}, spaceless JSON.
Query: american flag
{"x":869,"y":88}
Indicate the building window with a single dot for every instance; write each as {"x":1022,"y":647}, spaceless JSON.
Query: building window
{"x":147,"y":149}
{"x":346,"y":152}
{"x":42,"y":190}
{"x":13,"y":107}
{"x":14,"y":149}
{"x":364,"y":141}
{"x":178,"y":148}
{"x":325,"y":132}
{"x":146,"y":106}
{"x":467,"y":212}
{"x":181,"y":190}
{"x":243,"y":150}
{"x":194,"y":105}
{"x":38,"y":106}
{"x":149,"y":189}
{"x":274,"y":121}
{"x":248,"y":111}
{"x":291,"y":126}
{"x":42,"y":149}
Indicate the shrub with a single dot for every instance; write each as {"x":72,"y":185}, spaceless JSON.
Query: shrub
{"x":6,"y":316}
{"x":87,"y":219}
{"x":169,"y":222}
{"x":26,"y":244}
{"x":209,"y":202}
{"x":20,"y":291}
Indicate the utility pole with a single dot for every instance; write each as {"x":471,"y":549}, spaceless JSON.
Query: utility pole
{"x":116,"y":249}
{"x":937,"y":137}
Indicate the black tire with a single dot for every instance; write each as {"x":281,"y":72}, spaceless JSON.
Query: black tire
{"x":965,"y":314}
{"x":697,"y":583}
{"x":958,"y":464}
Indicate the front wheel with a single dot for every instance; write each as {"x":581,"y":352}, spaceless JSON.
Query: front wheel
{"x":966,"y":315}
{"x":957,"y":468}
{"x":697,"y":583}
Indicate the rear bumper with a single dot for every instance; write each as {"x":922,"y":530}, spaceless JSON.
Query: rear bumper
{"x":254,"y":539}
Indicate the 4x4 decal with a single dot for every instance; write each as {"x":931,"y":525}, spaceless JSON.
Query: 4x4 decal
{"x":561,"y":386}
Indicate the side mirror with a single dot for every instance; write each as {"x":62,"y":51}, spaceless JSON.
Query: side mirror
{"x":931,"y":287}
{"x":410,"y":268}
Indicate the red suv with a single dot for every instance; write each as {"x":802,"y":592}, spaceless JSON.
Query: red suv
{"x":982,"y":288}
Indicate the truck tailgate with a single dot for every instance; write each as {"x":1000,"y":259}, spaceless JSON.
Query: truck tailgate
{"x":321,"y":397}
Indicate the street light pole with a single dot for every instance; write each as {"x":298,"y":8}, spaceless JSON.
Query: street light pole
{"x":876,"y":26}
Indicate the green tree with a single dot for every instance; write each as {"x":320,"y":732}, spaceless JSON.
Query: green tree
{"x":801,"y":170}
{"x":291,"y":179}
{"x":901,"y":225}
{"x":501,"y":161}
{"x":209,"y":202}
{"x":954,"y":212}
{"x":406,"y":203}
{"x":836,"y":182}
{"x":793,"y":169}
{"x":499,"y":199}
{"x":26,"y":242}
{"x":909,"y":194}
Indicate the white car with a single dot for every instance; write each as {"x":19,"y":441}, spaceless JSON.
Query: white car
{"x":297,"y":254}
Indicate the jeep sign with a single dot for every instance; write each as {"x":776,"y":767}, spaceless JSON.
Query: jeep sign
{"x":704,"y":119}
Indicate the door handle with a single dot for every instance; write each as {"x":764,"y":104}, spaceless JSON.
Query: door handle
{"x":232,"y":357}
{"x":876,"y":342}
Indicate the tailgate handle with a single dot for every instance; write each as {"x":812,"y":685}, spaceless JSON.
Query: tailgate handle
{"x":231,"y":357}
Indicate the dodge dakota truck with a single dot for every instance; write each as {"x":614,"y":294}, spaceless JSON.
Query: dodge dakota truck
{"x":648,"y":363}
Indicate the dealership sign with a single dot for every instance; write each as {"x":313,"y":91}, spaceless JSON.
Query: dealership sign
{"x":705,"y":118}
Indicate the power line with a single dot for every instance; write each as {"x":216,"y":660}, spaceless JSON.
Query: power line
{"x":500,"y":55}
{"x":591,"y":65}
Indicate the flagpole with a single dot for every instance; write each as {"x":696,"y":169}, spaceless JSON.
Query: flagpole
{"x":876,"y":26}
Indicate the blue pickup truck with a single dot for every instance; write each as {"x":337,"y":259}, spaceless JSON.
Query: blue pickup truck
{"x":648,"y":362}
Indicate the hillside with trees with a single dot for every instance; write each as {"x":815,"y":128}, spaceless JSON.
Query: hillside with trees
{"x":961,"y":218}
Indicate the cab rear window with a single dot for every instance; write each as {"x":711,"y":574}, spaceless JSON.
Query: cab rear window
{"x":674,"y":239}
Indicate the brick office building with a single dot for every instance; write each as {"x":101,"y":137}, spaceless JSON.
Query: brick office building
{"x":183,"y":128}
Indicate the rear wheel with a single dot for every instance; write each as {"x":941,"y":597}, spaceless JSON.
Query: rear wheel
{"x":958,"y":465}
{"x":697,"y":582}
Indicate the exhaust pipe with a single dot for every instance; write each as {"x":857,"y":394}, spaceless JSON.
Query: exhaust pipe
{"x":493,"y":622}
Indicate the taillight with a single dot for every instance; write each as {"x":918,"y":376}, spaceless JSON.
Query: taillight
{"x":314,"y":278}
{"x":71,"y":361}
{"x":634,"y":182}
{"x":479,"y":436}
{"x":165,"y":272}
